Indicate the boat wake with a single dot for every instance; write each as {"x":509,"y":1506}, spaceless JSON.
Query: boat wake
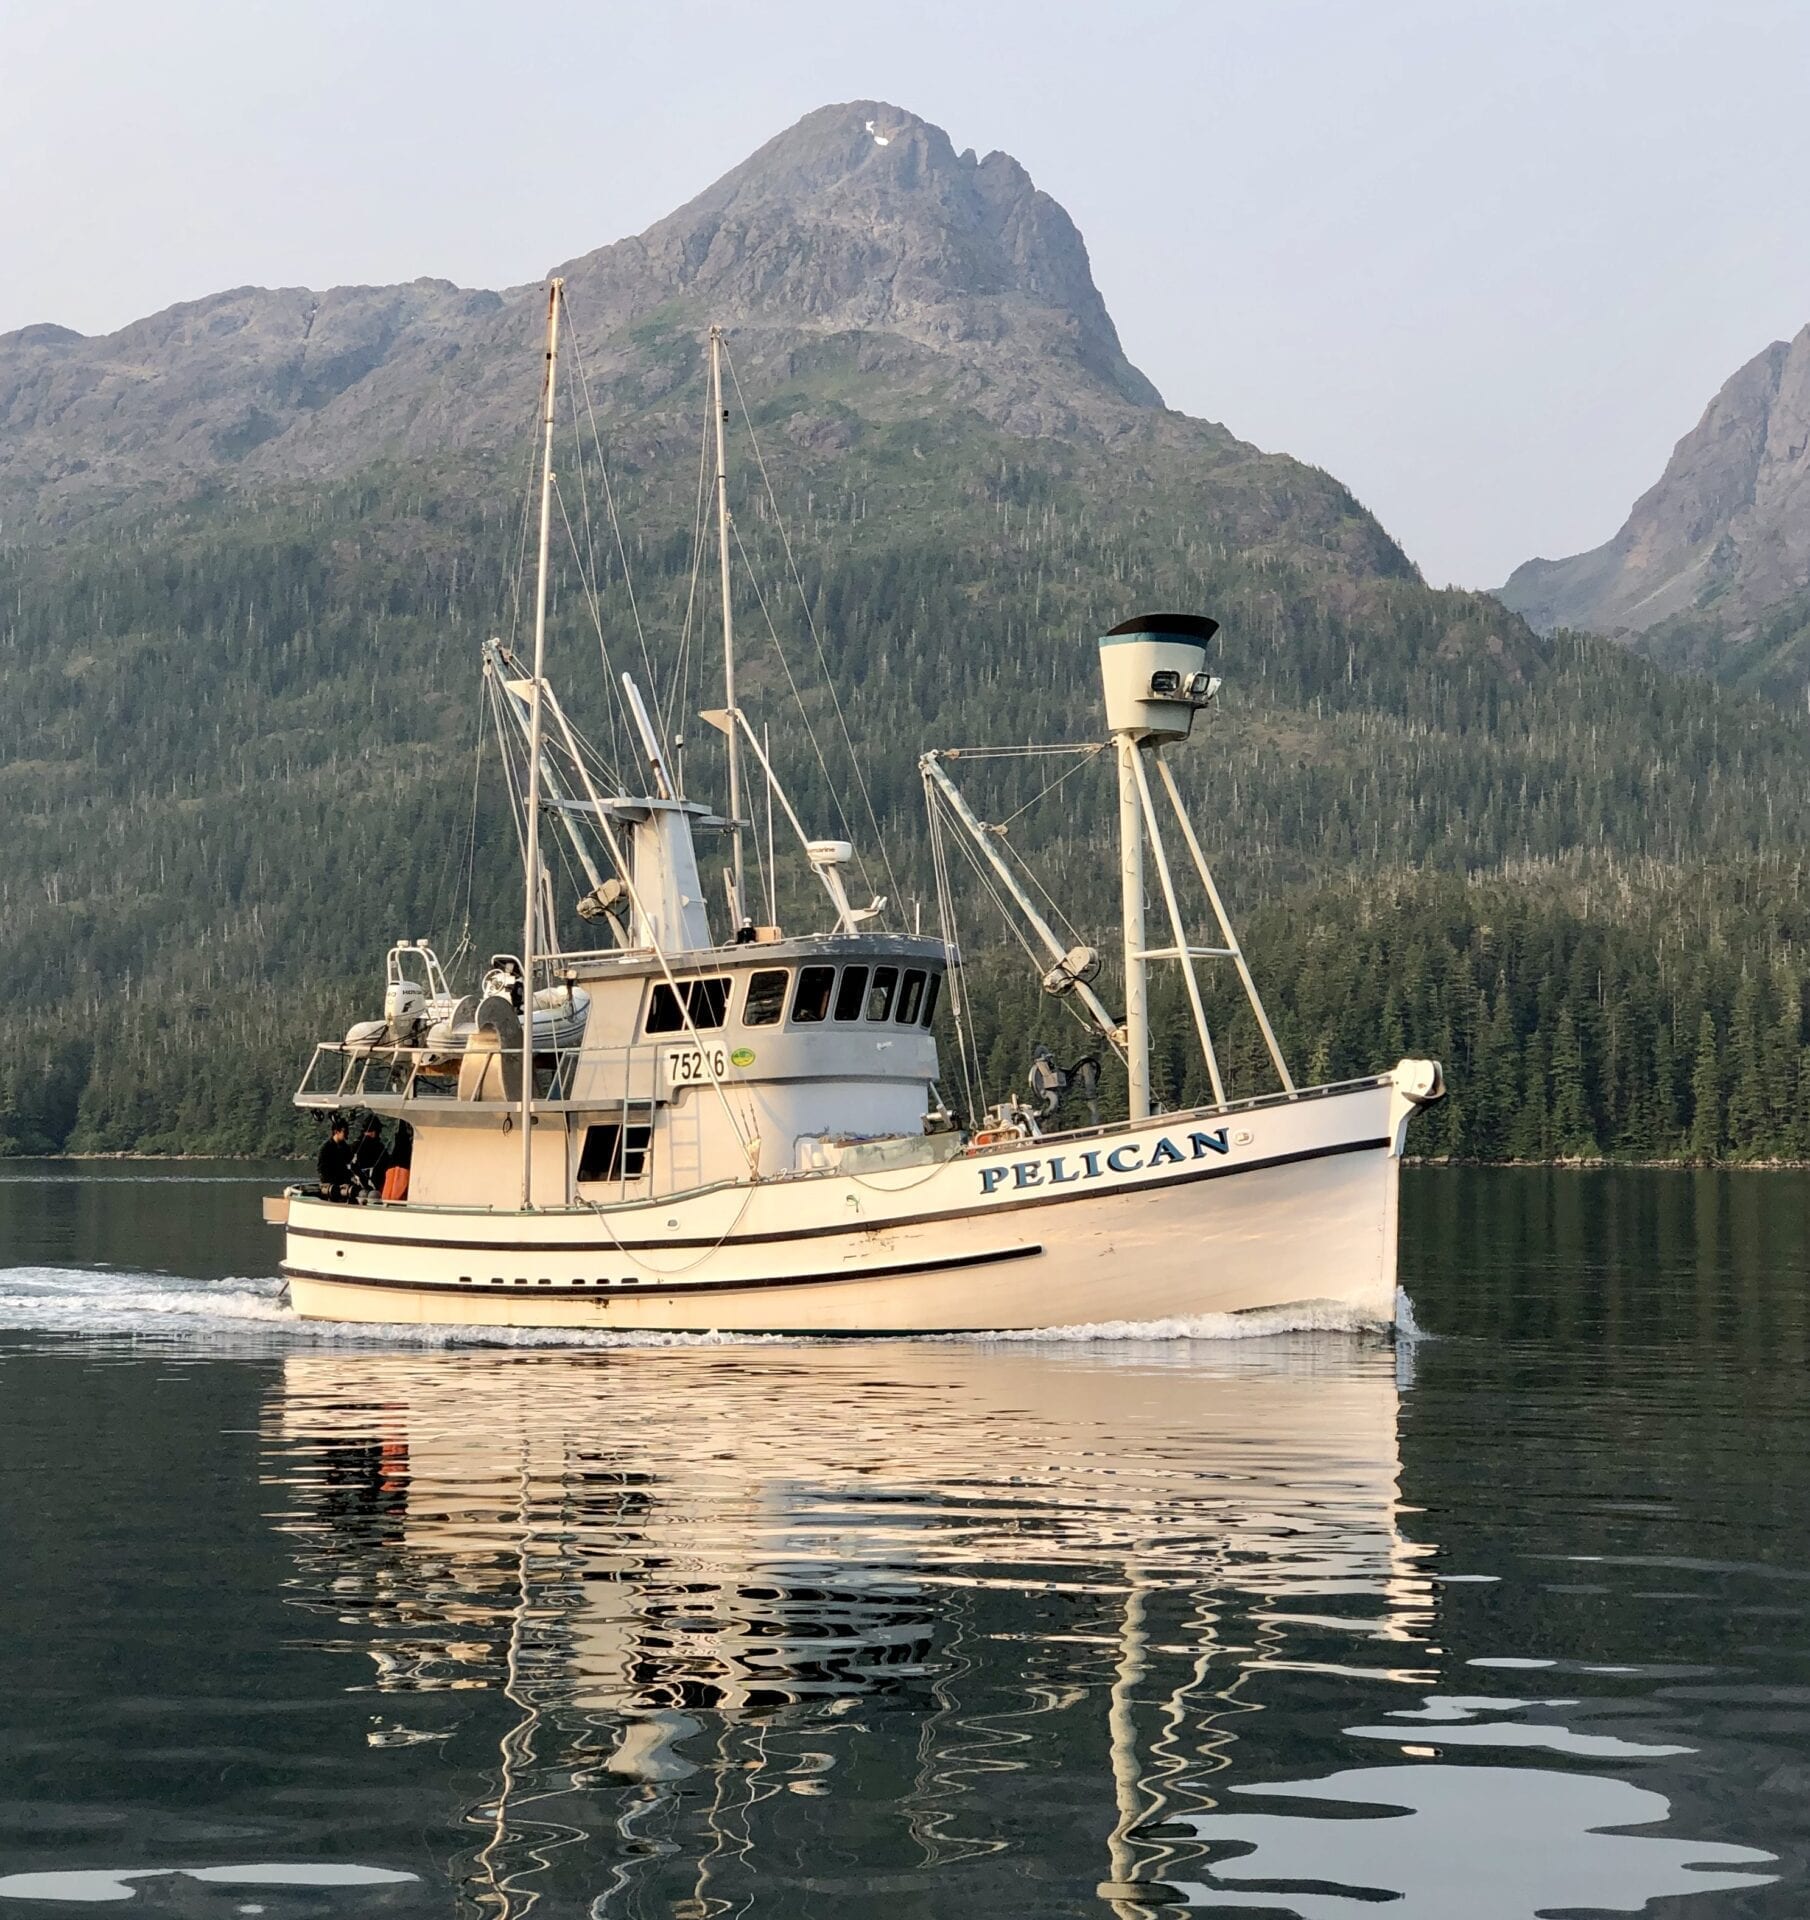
{"x":1311,"y":1316}
{"x":112,"y":1300}
{"x":110,"y":1303}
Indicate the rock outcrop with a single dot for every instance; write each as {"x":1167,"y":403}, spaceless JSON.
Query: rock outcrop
{"x":1722,"y":537}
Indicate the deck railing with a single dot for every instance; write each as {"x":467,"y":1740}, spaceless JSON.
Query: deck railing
{"x":392,"y":1077}
{"x":386,"y":1076}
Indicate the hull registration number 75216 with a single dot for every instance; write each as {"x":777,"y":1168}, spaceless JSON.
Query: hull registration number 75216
{"x":686,"y":1066}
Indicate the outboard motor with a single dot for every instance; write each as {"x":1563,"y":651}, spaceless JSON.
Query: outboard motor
{"x":405,"y":1011}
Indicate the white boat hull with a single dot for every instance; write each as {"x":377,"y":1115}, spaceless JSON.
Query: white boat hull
{"x":1290,"y":1204}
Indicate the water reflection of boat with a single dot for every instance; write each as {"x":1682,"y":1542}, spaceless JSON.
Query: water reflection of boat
{"x":793,"y":1627}
{"x":1010,"y":1543}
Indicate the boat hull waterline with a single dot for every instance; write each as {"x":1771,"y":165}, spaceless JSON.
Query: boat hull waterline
{"x":1287,"y":1205}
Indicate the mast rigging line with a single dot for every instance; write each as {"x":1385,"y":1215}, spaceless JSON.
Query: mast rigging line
{"x":514,"y":784}
{"x":512,"y":589}
{"x":1027,"y":751}
{"x":976,"y":841}
{"x":1091,"y":1027}
{"x":846,"y":920}
{"x":1090,"y":755}
{"x":599,"y":813}
{"x":1025,"y":870}
{"x":829,"y":779}
{"x":676,"y":700}
{"x":452,"y":923}
{"x":811,"y":625}
{"x":587,"y":582}
{"x":941,"y":791}
{"x":1088,"y":751}
{"x":609,"y":494}
{"x":595,"y":606}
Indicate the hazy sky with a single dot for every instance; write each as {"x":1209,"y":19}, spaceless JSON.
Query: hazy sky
{"x":1485,"y":260}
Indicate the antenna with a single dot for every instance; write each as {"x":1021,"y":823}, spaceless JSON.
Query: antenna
{"x":650,"y":740}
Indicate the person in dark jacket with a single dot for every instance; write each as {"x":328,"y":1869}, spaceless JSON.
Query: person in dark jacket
{"x":338,"y":1177}
{"x":370,"y":1156}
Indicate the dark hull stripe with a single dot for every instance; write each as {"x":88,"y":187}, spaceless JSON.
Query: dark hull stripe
{"x":614,"y":1246}
{"x":646,"y":1290}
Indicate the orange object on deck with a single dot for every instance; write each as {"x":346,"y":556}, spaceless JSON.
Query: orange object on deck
{"x":396,"y":1183}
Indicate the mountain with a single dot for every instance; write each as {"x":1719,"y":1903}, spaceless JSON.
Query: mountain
{"x":249,"y":549}
{"x":1712,"y":568}
{"x":966,"y":287}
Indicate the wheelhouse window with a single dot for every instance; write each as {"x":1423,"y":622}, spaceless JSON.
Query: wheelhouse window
{"x":812,"y":1000}
{"x":911,"y":997}
{"x":851,"y":993}
{"x":880,"y":994}
{"x":766,"y":997}
{"x":706,"y":1000}
{"x":710,"y":1001}
{"x":930,"y":992}
{"x":614,"y":1152}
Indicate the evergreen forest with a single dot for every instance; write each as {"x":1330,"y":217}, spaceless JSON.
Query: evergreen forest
{"x":242,"y":750}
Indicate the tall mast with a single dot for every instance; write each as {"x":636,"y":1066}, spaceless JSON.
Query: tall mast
{"x":531,"y":878}
{"x":1131,"y":897}
{"x":722,"y":539}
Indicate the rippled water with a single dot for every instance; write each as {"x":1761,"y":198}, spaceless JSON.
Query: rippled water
{"x":1508,"y":1620}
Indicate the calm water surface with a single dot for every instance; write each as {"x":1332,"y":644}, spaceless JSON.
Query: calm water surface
{"x":1513,"y":1619}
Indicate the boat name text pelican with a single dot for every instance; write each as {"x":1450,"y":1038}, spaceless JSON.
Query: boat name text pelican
{"x":1056,"y":1172}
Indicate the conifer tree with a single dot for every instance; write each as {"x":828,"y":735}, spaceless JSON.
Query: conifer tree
{"x":1706,"y":1093}
{"x":1573,"y":1135}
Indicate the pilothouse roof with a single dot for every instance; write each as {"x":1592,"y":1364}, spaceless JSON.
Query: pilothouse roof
{"x":829,"y":949}
{"x":1179,"y":626}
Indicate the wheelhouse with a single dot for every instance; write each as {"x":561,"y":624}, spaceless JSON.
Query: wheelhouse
{"x":768,"y":1058}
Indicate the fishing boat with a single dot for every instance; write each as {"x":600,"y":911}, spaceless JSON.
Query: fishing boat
{"x":712,"y":1122}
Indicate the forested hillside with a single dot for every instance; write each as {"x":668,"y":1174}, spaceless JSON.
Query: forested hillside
{"x":238,"y":756}
{"x":237,"y":748}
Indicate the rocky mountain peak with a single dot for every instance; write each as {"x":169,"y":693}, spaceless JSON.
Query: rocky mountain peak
{"x":931,"y":278}
{"x":43,"y":334}
{"x":863,"y":217}
{"x":1726,"y":526}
